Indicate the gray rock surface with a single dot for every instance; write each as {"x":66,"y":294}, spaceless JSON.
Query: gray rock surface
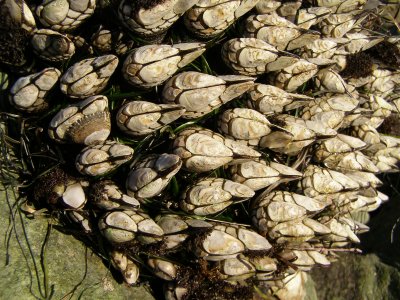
{"x":59,"y":268}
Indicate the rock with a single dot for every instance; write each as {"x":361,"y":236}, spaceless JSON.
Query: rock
{"x":61,"y":267}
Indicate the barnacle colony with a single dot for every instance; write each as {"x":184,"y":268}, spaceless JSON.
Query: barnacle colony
{"x":159,"y":125}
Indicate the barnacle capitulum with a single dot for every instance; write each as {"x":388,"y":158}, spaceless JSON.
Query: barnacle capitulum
{"x":252,"y":57}
{"x":100,"y":159}
{"x":283,"y":8}
{"x":201,"y":93}
{"x":207,"y":18}
{"x":151,"y":175}
{"x":122,"y":226}
{"x":51,"y":45}
{"x":177,"y":228}
{"x":244,"y":124}
{"x":210,"y":196}
{"x":317,"y":181}
{"x":203,"y":150}
{"x":260,"y":174}
{"x":88,"y":77}
{"x":18,"y":13}
{"x":307,"y":17}
{"x":268,"y":99}
{"x":107,"y":41}
{"x":227,"y":241}
{"x":163,"y":269}
{"x":152,"y":19}
{"x":85,"y":122}
{"x":243,"y":267}
{"x":337,"y":25}
{"x":139,"y":118}
{"x":64,"y":15}
{"x":30,"y":93}
{"x":151,"y":65}
{"x":278,"y":32}
{"x":106,"y":195}
{"x":294,"y":75}
{"x":285,"y":216}
{"x":293,"y":134}
{"x":128,"y":268}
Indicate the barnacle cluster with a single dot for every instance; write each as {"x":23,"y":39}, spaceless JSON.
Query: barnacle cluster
{"x":221,"y":143}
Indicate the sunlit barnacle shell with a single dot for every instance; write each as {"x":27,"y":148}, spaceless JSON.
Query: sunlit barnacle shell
{"x":354,"y":42}
{"x":203,"y":150}
{"x":30,"y":93}
{"x":19,"y":13}
{"x":110,"y":41}
{"x":85,"y":122}
{"x":380,"y":83}
{"x":243,"y":267}
{"x":244,"y":124}
{"x":366,"y":133}
{"x":293,"y":76}
{"x":342,"y":154}
{"x":106,"y":195}
{"x":121,"y":226}
{"x":364,"y":179}
{"x":208,"y":18}
{"x":385,"y":154}
{"x":200,"y":93}
{"x":71,"y":194}
{"x":177,"y":228}
{"x":343,"y":230}
{"x":269,"y":99}
{"x":100,"y":159}
{"x":380,"y":107}
{"x":351,"y":161}
{"x":139,"y":118}
{"x":210,"y":196}
{"x":281,"y":206}
{"x":321,"y":48}
{"x":88,"y":77}
{"x":337,"y":25}
{"x":151,"y":65}
{"x":278,"y":32}
{"x":345,"y":203}
{"x":227,"y":241}
{"x":64,"y":15}
{"x":304,"y":257}
{"x":283,"y":8}
{"x":330,"y":81}
{"x":51,"y":45}
{"x":340,"y":6}
{"x":129,"y":269}
{"x":307,"y":17}
{"x":251,"y":57}
{"x":341,"y":144}
{"x":163,"y":269}
{"x":152,"y":18}
{"x":267,"y":6}
{"x":81,"y":218}
{"x":151,"y":174}
{"x":317,"y":181}
{"x":296,"y":231}
{"x":386,"y":163}
{"x":291,"y":140}
{"x":325,"y":107}
{"x":260,"y":174}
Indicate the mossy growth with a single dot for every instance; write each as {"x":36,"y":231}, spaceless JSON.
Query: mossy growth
{"x":357,"y":65}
